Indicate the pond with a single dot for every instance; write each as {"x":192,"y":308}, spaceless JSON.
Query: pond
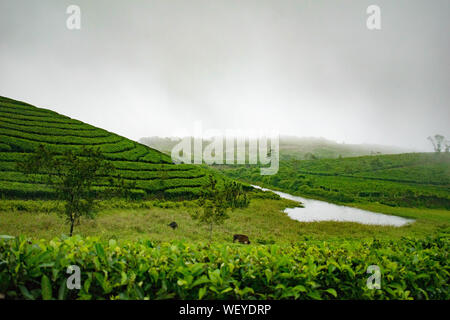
{"x":316,"y":210}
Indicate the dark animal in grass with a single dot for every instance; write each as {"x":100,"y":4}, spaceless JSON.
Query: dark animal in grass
{"x":173,"y":225}
{"x":241,"y":238}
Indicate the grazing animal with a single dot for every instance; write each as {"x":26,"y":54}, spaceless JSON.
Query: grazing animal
{"x":173,"y":225}
{"x":241,"y":238}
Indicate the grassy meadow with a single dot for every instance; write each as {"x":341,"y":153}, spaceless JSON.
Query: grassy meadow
{"x":263,"y":221}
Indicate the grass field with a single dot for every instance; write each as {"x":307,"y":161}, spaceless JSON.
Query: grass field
{"x":263,"y":221}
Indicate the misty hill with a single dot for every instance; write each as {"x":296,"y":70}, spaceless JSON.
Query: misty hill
{"x":310,"y":148}
{"x":296,"y":147}
{"x":163,"y":144}
{"x":23,"y":127}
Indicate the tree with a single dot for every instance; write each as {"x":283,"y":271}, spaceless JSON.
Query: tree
{"x":437,"y":141}
{"x":235,"y":196}
{"x":72,"y":176}
{"x":215,"y":202}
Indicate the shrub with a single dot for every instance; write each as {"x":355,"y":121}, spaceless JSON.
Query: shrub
{"x":410,"y":269}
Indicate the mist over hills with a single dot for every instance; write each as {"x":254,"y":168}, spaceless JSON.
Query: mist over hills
{"x":296,"y":147}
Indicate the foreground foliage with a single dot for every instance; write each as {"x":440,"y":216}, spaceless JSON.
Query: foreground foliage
{"x":410,"y":269}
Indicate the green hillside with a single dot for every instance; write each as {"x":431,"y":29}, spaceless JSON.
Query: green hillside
{"x":23,"y":127}
{"x":408,"y":180}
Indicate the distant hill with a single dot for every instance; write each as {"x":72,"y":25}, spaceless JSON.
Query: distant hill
{"x":409,"y":179}
{"x":23,"y":127}
{"x":310,"y":148}
{"x":296,"y":147}
{"x":163,"y":144}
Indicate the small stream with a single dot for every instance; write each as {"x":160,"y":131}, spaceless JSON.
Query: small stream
{"x":316,"y":210}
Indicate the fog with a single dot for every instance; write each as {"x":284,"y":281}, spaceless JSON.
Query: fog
{"x":306,"y":68}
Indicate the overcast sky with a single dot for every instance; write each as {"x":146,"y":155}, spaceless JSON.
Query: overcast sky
{"x":307,"y":68}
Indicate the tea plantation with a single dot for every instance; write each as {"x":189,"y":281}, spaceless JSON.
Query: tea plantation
{"x":129,"y":252}
{"x":23,"y":127}
{"x":409,"y":269}
{"x":415,"y":180}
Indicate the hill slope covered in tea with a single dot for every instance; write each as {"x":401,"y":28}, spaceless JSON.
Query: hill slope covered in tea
{"x":23,"y":127}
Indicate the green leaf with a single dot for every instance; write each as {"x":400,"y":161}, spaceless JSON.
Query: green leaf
{"x":300,"y":288}
{"x":87,"y":284}
{"x":25,"y":292}
{"x":181,"y":282}
{"x":62,"y":292}
{"x":100,"y":251}
{"x":46,"y":265}
{"x":124,"y":278}
{"x":139,"y":292}
{"x":268,"y":273}
{"x":203,"y":279}
{"x":314,"y":295}
{"x":201,"y":292}
{"x":100,"y":279}
{"x":46,"y":288}
{"x":332,"y":292}
{"x":226,"y":290}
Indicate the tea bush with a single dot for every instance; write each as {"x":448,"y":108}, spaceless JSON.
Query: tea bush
{"x":410,"y":269}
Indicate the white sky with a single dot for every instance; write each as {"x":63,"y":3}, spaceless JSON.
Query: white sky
{"x":307,"y":68}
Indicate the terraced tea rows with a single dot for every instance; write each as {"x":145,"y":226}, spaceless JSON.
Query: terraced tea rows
{"x":24,"y":127}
